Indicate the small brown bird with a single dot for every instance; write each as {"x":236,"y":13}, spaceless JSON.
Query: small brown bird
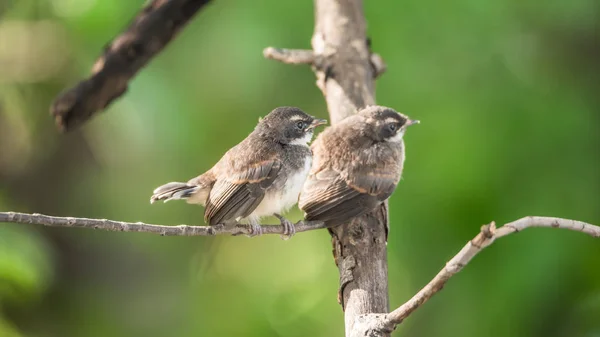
{"x":261,"y":176}
{"x":357,"y":165}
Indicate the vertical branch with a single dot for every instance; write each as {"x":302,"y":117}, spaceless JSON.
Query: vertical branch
{"x":346,"y":72}
{"x":343,"y":69}
{"x":346,"y":78}
{"x":361,"y":256}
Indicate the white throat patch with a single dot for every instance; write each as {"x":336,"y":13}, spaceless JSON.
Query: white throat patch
{"x":304,"y":140}
{"x":397,"y":138}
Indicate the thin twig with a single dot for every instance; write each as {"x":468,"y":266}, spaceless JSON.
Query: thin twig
{"x":290,"y":56}
{"x":486,"y":237}
{"x":120,"y":226}
{"x":150,"y":31}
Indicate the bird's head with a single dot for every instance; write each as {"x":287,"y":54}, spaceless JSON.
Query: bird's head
{"x":289,"y":125}
{"x":386,"y":124}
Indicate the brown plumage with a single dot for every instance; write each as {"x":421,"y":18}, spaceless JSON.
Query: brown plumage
{"x":261,"y":176}
{"x":357,"y":165}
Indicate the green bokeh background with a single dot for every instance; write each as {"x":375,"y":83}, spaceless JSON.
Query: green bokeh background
{"x":508,"y":93}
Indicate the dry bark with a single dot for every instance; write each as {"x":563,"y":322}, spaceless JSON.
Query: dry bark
{"x":149,"y":32}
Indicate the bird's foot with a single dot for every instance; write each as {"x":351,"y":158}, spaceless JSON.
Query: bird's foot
{"x":250,"y":230}
{"x":288,"y":227}
{"x":255,"y":230}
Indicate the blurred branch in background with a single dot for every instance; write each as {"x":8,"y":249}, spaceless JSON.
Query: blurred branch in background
{"x":151,"y":30}
{"x":180,"y":230}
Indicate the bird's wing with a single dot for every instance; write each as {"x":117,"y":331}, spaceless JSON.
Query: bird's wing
{"x":239,"y":192}
{"x":328,"y":196}
{"x":349,"y":184}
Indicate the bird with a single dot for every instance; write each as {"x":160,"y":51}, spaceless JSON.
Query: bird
{"x":357,"y":165}
{"x":261,"y":176}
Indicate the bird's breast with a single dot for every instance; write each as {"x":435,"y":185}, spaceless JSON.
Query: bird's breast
{"x":295,"y":182}
{"x":284,"y":194}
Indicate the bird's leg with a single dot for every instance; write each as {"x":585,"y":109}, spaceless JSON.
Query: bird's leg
{"x":288,"y":227}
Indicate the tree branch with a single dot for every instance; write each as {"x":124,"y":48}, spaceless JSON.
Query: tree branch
{"x":379,"y":324}
{"x":346,"y":70}
{"x":150,"y":31}
{"x":290,"y":56}
{"x":120,"y":226}
{"x":303,"y":56}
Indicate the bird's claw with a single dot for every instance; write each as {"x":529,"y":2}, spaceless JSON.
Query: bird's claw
{"x":288,"y":227}
{"x":255,"y":230}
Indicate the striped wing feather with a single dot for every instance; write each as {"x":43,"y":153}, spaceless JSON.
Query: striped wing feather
{"x":240,"y":193}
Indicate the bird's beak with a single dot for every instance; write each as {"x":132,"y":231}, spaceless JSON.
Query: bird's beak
{"x":411,"y":122}
{"x":316,"y":122}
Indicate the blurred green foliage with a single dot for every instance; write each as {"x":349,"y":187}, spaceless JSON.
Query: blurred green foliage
{"x":509,"y":99}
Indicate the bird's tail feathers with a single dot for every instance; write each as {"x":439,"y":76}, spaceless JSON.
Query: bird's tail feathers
{"x":173,"y":191}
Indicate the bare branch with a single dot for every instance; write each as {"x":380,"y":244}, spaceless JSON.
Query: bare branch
{"x":120,"y":226}
{"x":290,"y":56}
{"x":541,"y":221}
{"x":150,"y":31}
{"x":488,"y":234}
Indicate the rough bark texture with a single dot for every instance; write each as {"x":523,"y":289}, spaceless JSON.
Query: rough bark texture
{"x":345,"y":74}
{"x":346,"y":77}
{"x":151,"y":30}
{"x":360,"y":253}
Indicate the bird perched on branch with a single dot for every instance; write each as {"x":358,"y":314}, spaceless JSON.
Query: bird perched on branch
{"x":261,"y":176}
{"x":357,"y":165}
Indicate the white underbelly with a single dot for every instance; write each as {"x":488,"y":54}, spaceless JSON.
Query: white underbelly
{"x":281,"y":202}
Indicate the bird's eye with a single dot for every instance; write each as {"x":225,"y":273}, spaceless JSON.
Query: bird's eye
{"x":300,"y":125}
{"x":392,"y":127}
